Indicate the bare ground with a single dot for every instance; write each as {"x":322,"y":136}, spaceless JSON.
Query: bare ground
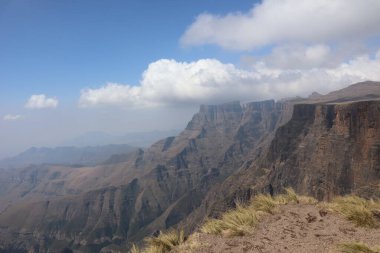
{"x":296,"y":228}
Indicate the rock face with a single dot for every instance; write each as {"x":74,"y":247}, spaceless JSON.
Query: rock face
{"x":324,"y":150}
{"x":226,"y":152}
{"x":161,"y":186}
{"x":327,"y":150}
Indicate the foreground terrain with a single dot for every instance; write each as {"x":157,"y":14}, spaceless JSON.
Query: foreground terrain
{"x":286,"y":223}
{"x":295,"y":228}
{"x":323,"y":146}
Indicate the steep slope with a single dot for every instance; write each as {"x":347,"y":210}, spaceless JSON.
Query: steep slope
{"x":227,"y":152}
{"x":326,"y":149}
{"x":170,"y":181}
{"x":42,"y":182}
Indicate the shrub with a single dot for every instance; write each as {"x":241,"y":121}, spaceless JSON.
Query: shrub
{"x":239,"y":221}
{"x":264,"y":203}
{"x":355,"y":209}
{"x":243,"y":219}
{"x":163,"y":243}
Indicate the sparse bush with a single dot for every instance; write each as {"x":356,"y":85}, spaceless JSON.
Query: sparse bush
{"x":355,"y":209}
{"x":288,"y":197}
{"x":357,"y":248}
{"x":307,"y":200}
{"x":243,"y":219}
{"x":134,"y":249}
{"x":167,"y":241}
{"x":264,"y":203}
{"x":239,"y":221}
{"x":213,"y":226}
{"x":163,"y":243}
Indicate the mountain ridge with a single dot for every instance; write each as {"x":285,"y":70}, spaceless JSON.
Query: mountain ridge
{"x":66,"y":155}
{"x":226,"y":152}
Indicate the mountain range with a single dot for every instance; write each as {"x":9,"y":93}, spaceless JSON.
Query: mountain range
{"x":79,"y":156}
{"x":322,"y":146}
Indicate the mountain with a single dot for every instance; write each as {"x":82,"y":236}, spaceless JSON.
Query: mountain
{"x":227,"y":152}
{"x":137,"y":139}
{"x":85,"y":156}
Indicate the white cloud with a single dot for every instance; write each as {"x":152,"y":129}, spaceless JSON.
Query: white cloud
{"x":12,"y":117}
{"x":286,"y":21}
{"x":40,"y":102}
{"x":168,"y":82}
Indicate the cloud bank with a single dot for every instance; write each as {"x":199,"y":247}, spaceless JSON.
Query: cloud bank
{"x":12,"y":117}
{"x":274,"y":22}
{"x":168,"y":82}
{"x":309,"y":46}
{"x":40,"y":102}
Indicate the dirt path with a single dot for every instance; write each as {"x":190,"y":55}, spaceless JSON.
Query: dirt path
{"x":295,"y":228}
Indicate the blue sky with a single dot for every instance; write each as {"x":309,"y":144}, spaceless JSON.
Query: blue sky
{"x":59,"y":47}
{"x":72,"y":67}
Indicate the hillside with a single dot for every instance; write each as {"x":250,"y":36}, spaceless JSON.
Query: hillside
{"x":80,"y":156}
{"x":227,"y":152}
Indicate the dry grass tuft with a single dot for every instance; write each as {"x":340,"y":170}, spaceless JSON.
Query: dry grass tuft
{"x":168,"y":240}
{"x":264,"y":203}
{"x":163,"y":243}
{"x":243,"y":219}
{"x":135,"y":249}
{"x":239,"y":221}
{"x":192,"y":243}
{"x":357,"y":248}
{"x":213,"y":226}
{"x":355,"y":209}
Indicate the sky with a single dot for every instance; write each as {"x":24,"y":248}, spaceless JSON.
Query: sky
{"x":72,"y":67}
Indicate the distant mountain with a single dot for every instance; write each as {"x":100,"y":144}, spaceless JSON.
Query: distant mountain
{"x":323,"y":146}
{"x":362,"y":91}
{"x":86,"y":156}
{"x":137,"y":139}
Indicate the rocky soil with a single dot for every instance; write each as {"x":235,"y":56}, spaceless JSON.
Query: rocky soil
{"x":295,"y":228}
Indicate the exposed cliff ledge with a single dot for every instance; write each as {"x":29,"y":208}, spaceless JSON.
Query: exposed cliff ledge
{"x":328,"y":149}
{"x":172,"y":178}
{"x":226,"y":152}
{"x":324,"y":150}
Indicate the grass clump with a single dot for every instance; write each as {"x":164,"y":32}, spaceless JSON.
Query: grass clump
{"x":357,"y":247}
{"x":243,"y":219}
{"x":163,"y":243}
{"x":264,"y":203}
{"x":135,"y":249}
{"x":239,"y":221}
{"x":355,"y":209}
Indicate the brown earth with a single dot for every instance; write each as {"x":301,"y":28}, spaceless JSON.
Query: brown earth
{"x":295,"y":228}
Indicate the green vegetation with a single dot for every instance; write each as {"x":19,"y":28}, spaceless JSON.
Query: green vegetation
{"x":357,"y":247}
{"x":163,"y":243}
{"x":355,"y":209}
{"x":242,"y":220}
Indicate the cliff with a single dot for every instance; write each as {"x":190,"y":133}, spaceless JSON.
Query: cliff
{"x":149,"y":190}
{"x":327,"y":150}
{"x":324,"y":150}
{"x":226,"y":153}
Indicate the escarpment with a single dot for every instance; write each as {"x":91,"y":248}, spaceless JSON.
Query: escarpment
{"x":162,"y":185}
{"x":324,"y":150}
{"x":335,"y":153}
{"x":325,"y":146}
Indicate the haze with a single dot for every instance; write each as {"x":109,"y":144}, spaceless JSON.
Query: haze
{"x":73,"y":67}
